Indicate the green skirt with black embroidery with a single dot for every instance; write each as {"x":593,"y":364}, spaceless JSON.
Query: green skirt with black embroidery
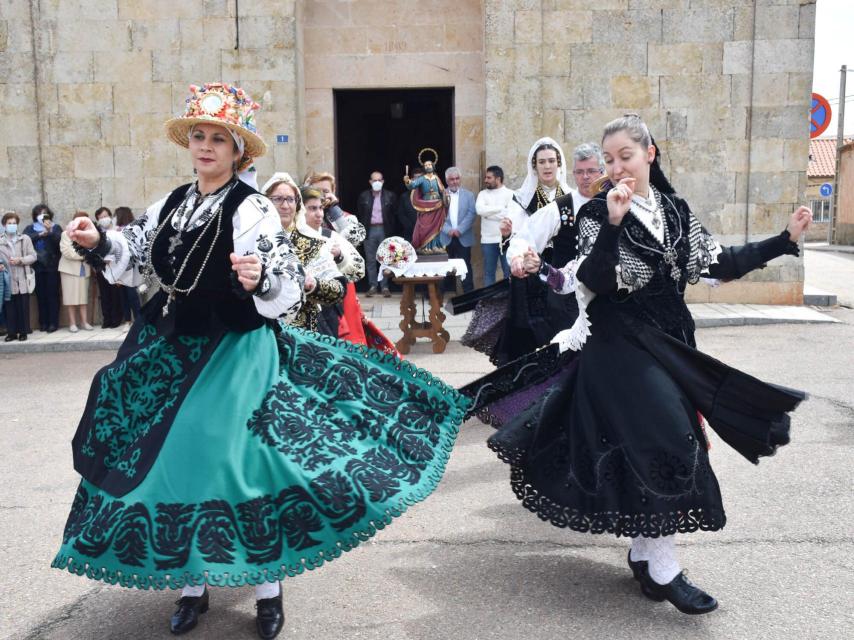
{"x":288,"y":449}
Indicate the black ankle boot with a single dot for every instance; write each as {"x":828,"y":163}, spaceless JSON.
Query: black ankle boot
{"x":681,"y":593}
{"x":270,"y":618}
{"x":186,"y":616}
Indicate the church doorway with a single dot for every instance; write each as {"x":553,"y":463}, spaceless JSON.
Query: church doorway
{"x":384,"y":129}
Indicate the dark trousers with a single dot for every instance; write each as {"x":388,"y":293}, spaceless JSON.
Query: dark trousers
{"x":130,"y":303}
{"x":112,"y":302}
{"x":47,"y":294}
{"x":18,"y":314}
{"x":456,"y":250}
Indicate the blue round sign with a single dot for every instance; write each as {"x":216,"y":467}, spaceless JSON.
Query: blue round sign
{"x":826,"y":190}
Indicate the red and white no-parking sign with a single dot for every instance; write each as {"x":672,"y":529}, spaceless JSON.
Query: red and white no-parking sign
{"x":819,"y":115}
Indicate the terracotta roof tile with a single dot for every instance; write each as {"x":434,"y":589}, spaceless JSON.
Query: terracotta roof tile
{"x":823,"y":157}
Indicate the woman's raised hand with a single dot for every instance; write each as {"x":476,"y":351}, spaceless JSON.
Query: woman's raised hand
{"x":83,"y":232}
{"x":799,"y":222}
{"x":619,"y":200}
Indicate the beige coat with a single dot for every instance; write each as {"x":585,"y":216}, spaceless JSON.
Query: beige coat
{"x":19,"y":246}
{"x":69,"y":262}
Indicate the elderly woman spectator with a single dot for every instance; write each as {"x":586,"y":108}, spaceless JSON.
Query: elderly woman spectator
{"x":130,"y":296}
{"x":16,"y":256}
{"x":324,"y":285}
{"x":45,"y":236}
{"x":74,"y":275}
{"x":112,"y":295}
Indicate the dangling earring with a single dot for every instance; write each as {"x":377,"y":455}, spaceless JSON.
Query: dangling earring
{"x":195,"y":171}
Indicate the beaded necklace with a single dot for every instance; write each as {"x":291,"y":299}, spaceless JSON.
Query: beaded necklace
{"x":543,"y":197}
{"x":150,"y":274}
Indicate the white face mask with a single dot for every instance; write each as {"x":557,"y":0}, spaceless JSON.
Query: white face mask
{"x":377,"y":185}
{"x":11,"y":228}
{"x":40,"y":217}
{"x":105,"y":223}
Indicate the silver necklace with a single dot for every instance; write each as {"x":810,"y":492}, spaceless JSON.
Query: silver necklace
{"x":670,"y":256}
{"x":150,"y":274}
{"x":653,"y":208}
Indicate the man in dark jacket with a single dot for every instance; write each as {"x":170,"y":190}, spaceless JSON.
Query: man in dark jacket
{"x":376,"y":208}
{"x":45,"y":235}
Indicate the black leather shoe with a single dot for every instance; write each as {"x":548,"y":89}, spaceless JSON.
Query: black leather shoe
{"x":270,"y":618}
{"x":639,"y":570}
{"x":186,"y":616}
{"x":681,"y":593}
{"x":22,"y":337}
{"x":51,"y":328}
{"x":11,"y":336}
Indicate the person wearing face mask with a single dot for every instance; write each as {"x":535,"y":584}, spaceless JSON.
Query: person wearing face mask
{"x":16,"y":256}
{"x":111,"y":295}
{"x":45,"y":235}
{"x":375,"y":209}
{"x":74,"y":276}
{"x":608,"y":437}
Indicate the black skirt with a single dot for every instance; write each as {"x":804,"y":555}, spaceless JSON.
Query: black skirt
{"x":608,"y":440}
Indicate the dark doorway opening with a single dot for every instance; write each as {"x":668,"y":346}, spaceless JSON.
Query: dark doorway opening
{"x":384,"y":129}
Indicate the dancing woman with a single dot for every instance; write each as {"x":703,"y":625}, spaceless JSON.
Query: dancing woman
{"x":222,"y":447}
{"x":615,"y":443}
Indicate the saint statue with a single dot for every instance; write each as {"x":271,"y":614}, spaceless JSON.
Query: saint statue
{"x":427,"y":194}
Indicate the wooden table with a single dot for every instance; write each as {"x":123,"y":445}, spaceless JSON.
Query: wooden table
{"x":413,"y":328}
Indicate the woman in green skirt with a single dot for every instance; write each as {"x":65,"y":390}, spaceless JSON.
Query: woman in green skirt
{"x":222,"y":447}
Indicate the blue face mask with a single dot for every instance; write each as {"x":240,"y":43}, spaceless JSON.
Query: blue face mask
{"x":11,"y":228}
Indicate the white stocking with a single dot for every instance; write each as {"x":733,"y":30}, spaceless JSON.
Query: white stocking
{"x":663,"y":565}
{"x":640,"y":550}
{"x":192,"y":591}
{"x":267,"y":590}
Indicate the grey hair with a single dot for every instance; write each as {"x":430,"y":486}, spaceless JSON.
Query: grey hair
{"x":452,"y":171}
{"x":588,"y":150}
{"x":632,"y":124}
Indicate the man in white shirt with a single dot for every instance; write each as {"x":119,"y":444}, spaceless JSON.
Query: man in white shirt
{"x":492,"y":206}
{"x":457,"y":235}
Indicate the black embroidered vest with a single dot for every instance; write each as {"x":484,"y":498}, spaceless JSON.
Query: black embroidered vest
{"x":565,"y":243}
{"x":217,"y":299}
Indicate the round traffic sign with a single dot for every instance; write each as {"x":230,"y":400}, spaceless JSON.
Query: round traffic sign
{"x":826,"y":190}
{"x":819,"y":115}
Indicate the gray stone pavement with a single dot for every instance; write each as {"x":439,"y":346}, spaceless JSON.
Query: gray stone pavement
{"x":831,"y":269}
{"x":470,"y":563}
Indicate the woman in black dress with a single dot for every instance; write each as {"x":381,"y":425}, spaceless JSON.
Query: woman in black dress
{"x":614,"y":444}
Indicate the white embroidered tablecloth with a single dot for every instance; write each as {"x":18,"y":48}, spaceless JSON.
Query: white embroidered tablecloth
{"x":427,"y":269}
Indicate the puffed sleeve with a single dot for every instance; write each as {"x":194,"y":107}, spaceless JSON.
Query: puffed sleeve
{"x":350,"y":263}
{"x":258,"y":231}
{"x":128,"y":248}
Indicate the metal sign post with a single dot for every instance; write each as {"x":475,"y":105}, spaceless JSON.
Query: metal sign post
{"x":840,"y":139}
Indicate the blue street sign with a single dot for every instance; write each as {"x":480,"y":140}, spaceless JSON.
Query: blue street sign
{"x":826,"y":190}
{"x":281,"y":138}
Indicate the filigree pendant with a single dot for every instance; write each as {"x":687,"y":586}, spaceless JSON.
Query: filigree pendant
{"x":656,"y":222}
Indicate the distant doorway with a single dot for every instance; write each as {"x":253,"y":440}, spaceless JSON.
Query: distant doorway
{"x":384,"y":129}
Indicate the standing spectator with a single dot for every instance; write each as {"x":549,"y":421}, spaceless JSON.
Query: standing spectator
{"x":45,"y":235}
{"x":130,"y":296}
{"x":17,"y":252}
{"x":457,"y":236}
{"x":376,"y":209}
{"x":493,"y":206}
{"x":74,"y":275}
{"x":406,"y":213}
{"x":112,"y":295}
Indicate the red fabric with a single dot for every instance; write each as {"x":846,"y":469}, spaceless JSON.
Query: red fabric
{"x":355,"y":327}
{"x":350,"y":324}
